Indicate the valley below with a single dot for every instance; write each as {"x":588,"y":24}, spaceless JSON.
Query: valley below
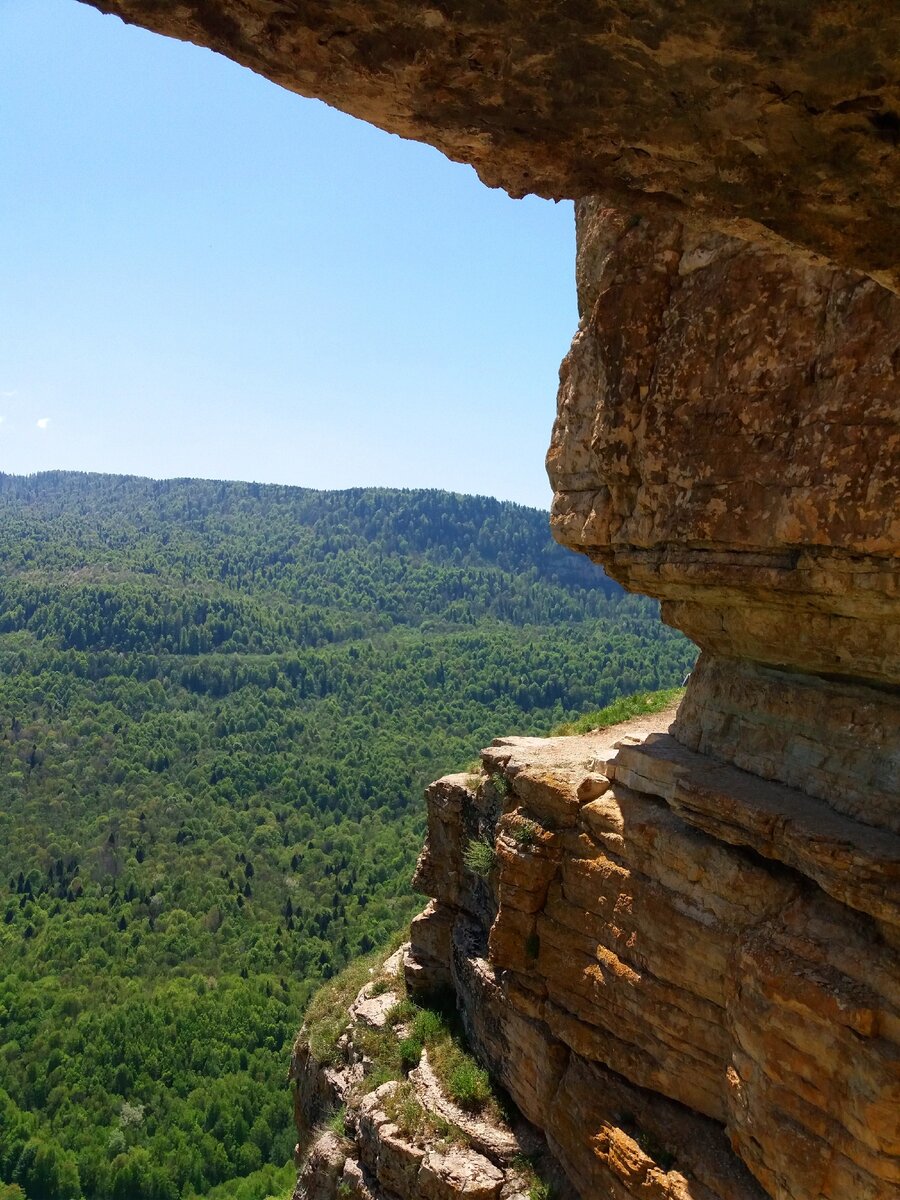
{"x":219,"y":706}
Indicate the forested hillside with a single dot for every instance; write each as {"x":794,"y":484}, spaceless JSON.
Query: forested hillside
{"x":219,"y":703}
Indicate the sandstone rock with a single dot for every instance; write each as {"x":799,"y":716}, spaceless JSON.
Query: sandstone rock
{"x":837,"y":742}
{"x":373,"y":1010}
{"x":459,"y":812}
{"x":711,"y":450}
{"x":319,"y":1178}
{"x":409,"y":1140}
{"x":458,"y":1173}
{"x":356,"y":1184}
{"x":777,"y":123}
{"x":674,"y":988}
{"x":855,"y":863}
{"x":390,"y":1157}
{"x":427,"y":965}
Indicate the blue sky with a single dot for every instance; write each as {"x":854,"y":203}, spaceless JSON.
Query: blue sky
{"x":206,"y":275}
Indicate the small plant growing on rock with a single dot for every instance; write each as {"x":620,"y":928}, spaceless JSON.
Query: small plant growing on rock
{"x":523,"y":832}
{"x":478,"y":857}
{"x":404,"y":1010}
{"x":500,"y":784}
{"x":428,"y":1025}
{"x":410,"y":1053}
{"x":532,"y":945}
{"x":337,"y":1122}
{"x":469,"y":1085}
{"x":540,"y":1191}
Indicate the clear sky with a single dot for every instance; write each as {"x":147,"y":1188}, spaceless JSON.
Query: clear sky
{"x":205,"y":275}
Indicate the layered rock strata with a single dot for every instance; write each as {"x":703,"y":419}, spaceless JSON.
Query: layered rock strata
{"x":778,"y":122}
{"x":728,"y":440}
{"x":683,"y":1012}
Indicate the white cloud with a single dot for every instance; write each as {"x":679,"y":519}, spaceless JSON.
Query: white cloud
{"x":9,"y":395}
{"x":43,"y":422}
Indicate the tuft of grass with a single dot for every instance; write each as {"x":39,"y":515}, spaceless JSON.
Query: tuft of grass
{"x":624,"y":709}
{"x":465,"y":1082}
{"x":326,"y":1017}
{"x":401,"y":1012}
{"x":532,"y":945}
{"x":429,"y":1026}
{"x":337,"y":1122}
{"x":414,"y":1121}
{"x":469,"y":1085}
{"x":540,"y":1190}
{"x":500,"y":784}
{"x":523,"y":831}
{"x":478,"y":857}
{"x":410,"y":1052}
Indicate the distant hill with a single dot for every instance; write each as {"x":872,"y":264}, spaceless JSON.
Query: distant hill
{"x":219,"y":703}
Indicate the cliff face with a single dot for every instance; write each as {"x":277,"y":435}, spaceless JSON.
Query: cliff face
{"x":728,"y":439}
{"x":682,"y":1016}
{"x":678,"y":1017}
{"x":683,"y":963}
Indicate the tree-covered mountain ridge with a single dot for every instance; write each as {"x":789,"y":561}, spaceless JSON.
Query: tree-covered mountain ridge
{"x":219,"y":704}
{"x":81,"y":551}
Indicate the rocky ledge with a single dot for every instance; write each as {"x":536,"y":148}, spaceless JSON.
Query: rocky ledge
{"x":391,"y":1107}
{"x":684,"y":975}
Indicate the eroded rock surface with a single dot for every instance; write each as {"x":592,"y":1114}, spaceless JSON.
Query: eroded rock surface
{"x":728,"y":440}
{"x":683,"y":1008}
{"x":404,"y":1138}
{"x":778,"y":121}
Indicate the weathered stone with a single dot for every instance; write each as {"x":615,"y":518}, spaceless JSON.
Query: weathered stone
{"x":855,"y":863}
{"x":673,"y":984}
{"x":728,"y":439}
{"x":460,"y":810}
{"x":319,"y":1178}
{"x":458,"y":1173}
{"x":408,"y":1140}
{"x":814,"y":1010}
{"x":356,"y":1184}
{"x":390,"y":1157}
{"x":427,"y":965}
{"x":837,"y":742}
{"x":777,"y":122}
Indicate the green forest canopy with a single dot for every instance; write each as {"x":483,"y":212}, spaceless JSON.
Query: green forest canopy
{"x":219,"y":704}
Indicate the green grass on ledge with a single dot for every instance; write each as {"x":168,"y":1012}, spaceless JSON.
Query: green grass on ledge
{"x":641,"y":704}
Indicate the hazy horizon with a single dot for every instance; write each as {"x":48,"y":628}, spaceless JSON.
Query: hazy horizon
{"x":267,"y":483}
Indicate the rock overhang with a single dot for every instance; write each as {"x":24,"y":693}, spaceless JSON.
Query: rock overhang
{"x":778,"y":123}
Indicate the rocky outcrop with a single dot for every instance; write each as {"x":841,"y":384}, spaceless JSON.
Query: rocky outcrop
{"x":777,"y":122}
{"x":686,"y":1007}
{"x":404,"y":1138}
{"x":728,"y":440}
